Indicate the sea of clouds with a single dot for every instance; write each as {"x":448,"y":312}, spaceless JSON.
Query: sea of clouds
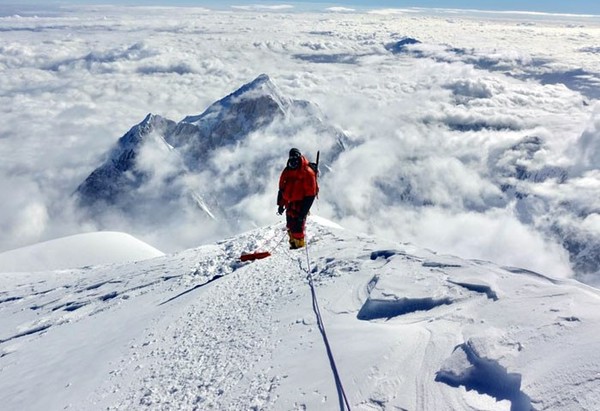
{"x":444,"y":116}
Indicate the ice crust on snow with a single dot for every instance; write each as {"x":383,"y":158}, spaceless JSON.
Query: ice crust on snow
{"x":199,"y":329}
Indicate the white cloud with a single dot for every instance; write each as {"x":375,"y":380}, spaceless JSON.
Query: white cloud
{"x":340,"y":9}
{"x":494,"y":236}
{"x":586,"y":152}
{"x":158,"y":160}
{"x":392,"y":12}
{"x":259,"y":7}
{"x":430,"y":135}
{"x":28,"y":224}
{"x":592,"y":223}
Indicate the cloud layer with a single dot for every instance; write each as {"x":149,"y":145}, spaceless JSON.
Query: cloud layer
{"x":437,"y":132}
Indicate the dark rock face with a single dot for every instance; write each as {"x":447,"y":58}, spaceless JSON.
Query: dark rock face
{"x":401,"y":46}
{"x":119,"y":174}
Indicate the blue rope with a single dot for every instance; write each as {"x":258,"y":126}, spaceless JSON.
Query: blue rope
{"x":344,"y":405}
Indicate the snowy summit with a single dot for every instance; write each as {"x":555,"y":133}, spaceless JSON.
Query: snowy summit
{"x":407,"y":329}
{"x":77,"y":251}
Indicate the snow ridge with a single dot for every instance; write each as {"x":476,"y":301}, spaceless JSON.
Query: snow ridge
{"x":200,"y":329}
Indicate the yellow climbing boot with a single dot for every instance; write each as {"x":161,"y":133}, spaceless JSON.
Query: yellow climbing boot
{"x":296,"y":243}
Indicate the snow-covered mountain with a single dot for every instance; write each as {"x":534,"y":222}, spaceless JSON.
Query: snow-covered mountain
{"x":160,"y":167}
{"x":408,"y":329}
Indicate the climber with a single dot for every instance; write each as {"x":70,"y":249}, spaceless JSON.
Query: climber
{"x":297,"y":190}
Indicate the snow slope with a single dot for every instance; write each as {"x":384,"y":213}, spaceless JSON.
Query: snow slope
{"x":408,"y":329}
{"x":76,"y":251}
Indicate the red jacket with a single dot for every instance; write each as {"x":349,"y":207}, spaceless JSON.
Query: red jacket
{"x":295,"y":185}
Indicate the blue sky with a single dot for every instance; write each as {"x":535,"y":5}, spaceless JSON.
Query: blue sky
{"x":550,"y":6}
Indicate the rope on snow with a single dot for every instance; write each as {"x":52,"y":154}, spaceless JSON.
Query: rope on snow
{"x":344,"y":404}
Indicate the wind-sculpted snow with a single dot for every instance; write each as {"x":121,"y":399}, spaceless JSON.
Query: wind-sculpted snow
{"x":386,"y":254}
{"x":201,"y":330}
{"x":33,"y":330}
{"x":466,"y":368}
{"x":480,"y":288}
{"x":374,"y":309}
{"x":431,"y":293}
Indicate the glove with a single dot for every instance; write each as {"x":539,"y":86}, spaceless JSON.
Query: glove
{"x":280,"y":210}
